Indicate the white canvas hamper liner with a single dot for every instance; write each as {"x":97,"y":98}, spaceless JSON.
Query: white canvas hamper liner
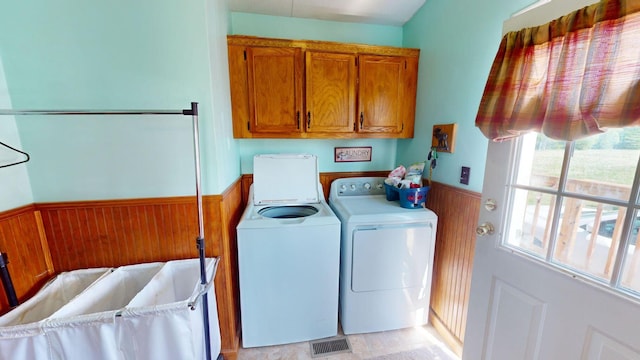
{"x":55,"y":294}
{"x":142,"y":311}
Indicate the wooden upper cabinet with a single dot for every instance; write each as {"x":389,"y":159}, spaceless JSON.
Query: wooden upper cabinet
{"x":275,"y":90}
{"x":386,"y":95}
{"x":330,"y":92}
{"x":239,"y":91}
{"x":316,"y":89}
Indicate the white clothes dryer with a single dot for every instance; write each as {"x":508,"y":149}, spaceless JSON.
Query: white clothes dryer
{"x":386,"y":258}
{"x":288,"y":254}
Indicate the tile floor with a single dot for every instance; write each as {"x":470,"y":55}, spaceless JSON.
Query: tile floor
{"x":363,"y":346}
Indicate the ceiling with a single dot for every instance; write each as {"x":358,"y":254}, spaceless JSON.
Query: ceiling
{"x":383,"y":12}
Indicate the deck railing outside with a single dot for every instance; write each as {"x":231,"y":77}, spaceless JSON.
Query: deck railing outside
{"x":588,"y":233}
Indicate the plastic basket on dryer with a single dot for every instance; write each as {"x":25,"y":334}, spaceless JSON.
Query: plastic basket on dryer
{"x":409,"y":198}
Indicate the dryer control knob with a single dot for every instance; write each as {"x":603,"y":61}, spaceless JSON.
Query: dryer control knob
{"x":367,"y":186}
{"x":343,"y":187}
{"x":353,"y":187}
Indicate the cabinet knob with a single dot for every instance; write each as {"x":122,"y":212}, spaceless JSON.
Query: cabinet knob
{"x":361,"y":119}
{"x":298,"y":119}
{"x":309,"y":120}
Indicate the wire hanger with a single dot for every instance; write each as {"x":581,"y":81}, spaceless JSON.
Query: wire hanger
{"x":18,"y":151}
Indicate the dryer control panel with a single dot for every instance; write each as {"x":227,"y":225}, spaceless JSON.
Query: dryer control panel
{"x":357,"y":186}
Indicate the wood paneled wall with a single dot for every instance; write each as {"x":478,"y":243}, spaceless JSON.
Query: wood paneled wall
{"x":457,"y":211}
{"x":29,"y":260}
{"x":88,"y":234}
{"x":120,"y":232}
{"x":65,"y":236}
{"x":230,"y":210}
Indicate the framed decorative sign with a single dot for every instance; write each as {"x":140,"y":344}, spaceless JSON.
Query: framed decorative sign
{"x":352,"y":154}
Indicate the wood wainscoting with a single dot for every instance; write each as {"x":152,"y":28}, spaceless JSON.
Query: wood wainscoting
{"x":45,"y":239}
{"x":457,"y":211}
{"x":29,"y":261}
{"x":113,"y":233}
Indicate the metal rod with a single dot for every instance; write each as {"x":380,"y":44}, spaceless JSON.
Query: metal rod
{"x":93,"y":112}
{"x":196,"y":148}
{"x":200,"y":240}
{"x":196,"y":155}
{"x":88,"y":112}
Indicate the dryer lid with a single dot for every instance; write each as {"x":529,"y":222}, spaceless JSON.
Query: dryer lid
{"x":285,"y":179}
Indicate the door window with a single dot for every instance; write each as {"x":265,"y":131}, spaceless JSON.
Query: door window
{"x":574,"y":205}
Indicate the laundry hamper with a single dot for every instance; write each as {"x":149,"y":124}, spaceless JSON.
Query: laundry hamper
{"x":142,"y":311}
{"x":21,"y":333}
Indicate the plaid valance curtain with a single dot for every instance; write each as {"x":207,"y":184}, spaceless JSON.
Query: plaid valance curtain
{"x":570,"y":78}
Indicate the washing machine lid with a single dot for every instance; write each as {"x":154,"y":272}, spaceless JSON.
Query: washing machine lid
{"x":285,"y":179}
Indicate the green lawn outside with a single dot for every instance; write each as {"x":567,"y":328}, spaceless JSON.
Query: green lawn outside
{"x":612,"y":166}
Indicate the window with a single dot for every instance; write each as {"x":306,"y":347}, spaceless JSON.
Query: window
{"x":575,"y":205}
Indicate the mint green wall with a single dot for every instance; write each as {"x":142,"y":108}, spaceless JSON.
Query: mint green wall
{"x":311,"y":29}
{"x":221,"y":163}
{"x":15,"y":189}
{"x":383,"y":153}
{"x":383,"y":150}
{"x":458,"y":41}
{"x":119,"y":54}
{"x":165,"y":54}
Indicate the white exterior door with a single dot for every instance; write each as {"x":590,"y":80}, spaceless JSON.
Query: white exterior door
{"x":559,"y":278}
{"x":522,"y":308}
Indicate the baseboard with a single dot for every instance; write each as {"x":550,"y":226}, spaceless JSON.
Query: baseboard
{"x":451,"y":340}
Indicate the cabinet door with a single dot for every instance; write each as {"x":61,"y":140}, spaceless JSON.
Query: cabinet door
{"x":386,"y":95}
{"x":330,"y":92}
{"x":239,"y":91}
{"x":275,"y":90}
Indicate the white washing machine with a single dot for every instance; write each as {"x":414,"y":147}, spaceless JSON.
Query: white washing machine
{"x":386,"y":258}
{"x":288,"y":254}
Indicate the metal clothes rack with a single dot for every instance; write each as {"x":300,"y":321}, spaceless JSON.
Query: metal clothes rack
{"x":193,"y":111}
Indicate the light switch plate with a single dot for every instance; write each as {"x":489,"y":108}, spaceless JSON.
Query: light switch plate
{"x":464,"y":175}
